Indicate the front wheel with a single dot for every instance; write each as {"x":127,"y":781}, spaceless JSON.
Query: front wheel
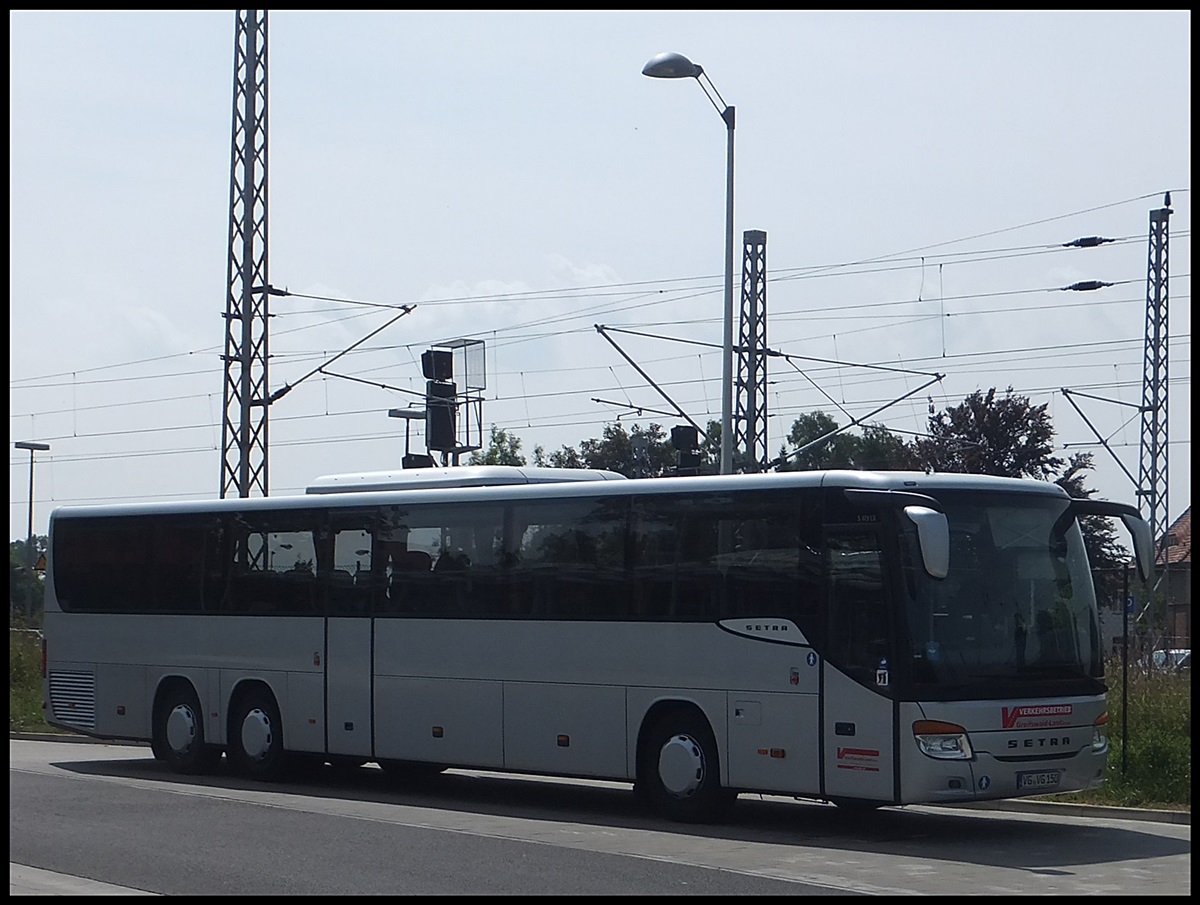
{"x":256,"y":736}
{"x":679,"y":771}
{"x":178,"y":738}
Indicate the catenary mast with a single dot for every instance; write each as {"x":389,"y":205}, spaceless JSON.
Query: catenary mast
{"x":244,"y":430}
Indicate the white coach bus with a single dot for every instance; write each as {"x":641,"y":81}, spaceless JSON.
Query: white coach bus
{"x":863,"y":638}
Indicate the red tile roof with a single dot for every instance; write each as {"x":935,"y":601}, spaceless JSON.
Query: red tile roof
{"x":1179,"y":549}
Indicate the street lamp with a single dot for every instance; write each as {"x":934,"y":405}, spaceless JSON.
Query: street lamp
{"x":31,"y":446}
{"x":677,"y":66}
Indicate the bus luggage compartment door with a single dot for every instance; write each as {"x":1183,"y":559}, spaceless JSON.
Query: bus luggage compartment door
{"x":348,"y":686}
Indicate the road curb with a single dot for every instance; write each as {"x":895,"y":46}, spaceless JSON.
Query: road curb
{"x":71,"y":737}
{"x":1016,"y":805}
{"x":1075,"y":809}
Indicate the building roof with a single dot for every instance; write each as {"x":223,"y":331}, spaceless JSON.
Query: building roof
{"x":1179,"y":541}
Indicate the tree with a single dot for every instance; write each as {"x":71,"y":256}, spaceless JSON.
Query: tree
{"x":834,"y":452}
{"x":876,"y":448}
{"x":503,"y":449}
{"x":710,"y":452}
{"x":984,"y":435}
{"x":25,"y":585}
{"x":1106,"y":555}
{"x":881,"y":450}
{"x":567,"y":457}
{"x":636,"y":453}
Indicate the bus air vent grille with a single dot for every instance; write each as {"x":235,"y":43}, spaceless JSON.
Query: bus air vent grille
{"x":73,"y":696}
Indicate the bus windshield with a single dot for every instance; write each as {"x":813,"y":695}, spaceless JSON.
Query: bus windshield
{"x":1017,"y":609}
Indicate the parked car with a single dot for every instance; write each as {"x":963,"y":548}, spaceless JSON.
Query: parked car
{"x":1173,"y":660}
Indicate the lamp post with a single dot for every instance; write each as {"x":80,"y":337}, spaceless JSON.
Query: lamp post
{"x":31,"y":446}
{"x":29,"y":557}
{"x":677,"y":66}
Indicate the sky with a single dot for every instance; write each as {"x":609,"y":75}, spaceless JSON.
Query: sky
{"x":516,"y":178}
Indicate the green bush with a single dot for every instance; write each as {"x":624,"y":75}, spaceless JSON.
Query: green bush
{"x":24,"y":682}
{"x":1156,"y":769}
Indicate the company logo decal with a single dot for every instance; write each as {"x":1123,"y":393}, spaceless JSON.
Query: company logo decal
{"x":780,"y":631}
{"x":865,"y":759}
{"x":1036,"y":716}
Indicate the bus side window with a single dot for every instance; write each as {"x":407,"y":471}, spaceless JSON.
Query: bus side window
{"x":570,"y":562}
{"x":676,"y":573}
{"x":173,"y":566}
{"x":438,"y":561}
{"x":274,"y":561}
{"x":345,"y":568}
{"x":452,"y":559}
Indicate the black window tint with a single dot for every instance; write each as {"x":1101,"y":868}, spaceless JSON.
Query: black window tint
{"x":675,"y":573}
{"x":175,"y":567}
{"x":721,"y":556}
{"x":344,"y":557}
{"x":567,"y":559}
{"x":859,"y":628}
{"x":438,"y":561}
{"x":273,"y":567}
{"x":136,"y":564}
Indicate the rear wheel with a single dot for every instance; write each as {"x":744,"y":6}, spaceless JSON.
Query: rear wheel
{"x":178,"y":737}
{"x":679,"y":771}
{"x":256,"y":736}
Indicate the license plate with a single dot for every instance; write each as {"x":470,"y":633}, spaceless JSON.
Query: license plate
{"x":1047,"y":779}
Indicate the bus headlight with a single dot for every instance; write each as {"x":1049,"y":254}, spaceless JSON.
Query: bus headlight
{"x":1100,"y":734}
{"x":945,"y":741}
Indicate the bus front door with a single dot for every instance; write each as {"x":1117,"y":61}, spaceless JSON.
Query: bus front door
{"x":858,"y":711}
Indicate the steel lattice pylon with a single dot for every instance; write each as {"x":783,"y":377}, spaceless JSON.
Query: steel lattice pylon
{"x":1152,"y":474}
{"x":750,"y":420}
{"x":244,"y":431}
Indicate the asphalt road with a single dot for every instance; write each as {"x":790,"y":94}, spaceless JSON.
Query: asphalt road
{"x":92,"y":819}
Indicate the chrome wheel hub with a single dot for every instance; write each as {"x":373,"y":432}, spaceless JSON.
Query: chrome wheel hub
{"x":681,"y":766}
{"x":181,"y":729}
{"x":256,"y":734}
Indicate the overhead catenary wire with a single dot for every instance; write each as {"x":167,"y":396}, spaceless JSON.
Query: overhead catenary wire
{"x":778,"y":274}
{"x":662,"y":294}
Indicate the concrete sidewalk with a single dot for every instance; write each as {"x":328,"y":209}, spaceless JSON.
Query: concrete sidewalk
{"x":33,"y":881}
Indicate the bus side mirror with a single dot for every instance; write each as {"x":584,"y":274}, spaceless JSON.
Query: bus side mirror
{"x":1143,"y":545}
{"x":1138,"y":528}
{"x":933,"y":536}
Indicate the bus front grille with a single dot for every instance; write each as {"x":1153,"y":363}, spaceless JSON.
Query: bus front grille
{"x":73,"y":697}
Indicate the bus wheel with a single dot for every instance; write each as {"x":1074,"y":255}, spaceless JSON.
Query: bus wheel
{"x":256,"y":736}
{"x":679,"y":772}
{"x":179,"y":733}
